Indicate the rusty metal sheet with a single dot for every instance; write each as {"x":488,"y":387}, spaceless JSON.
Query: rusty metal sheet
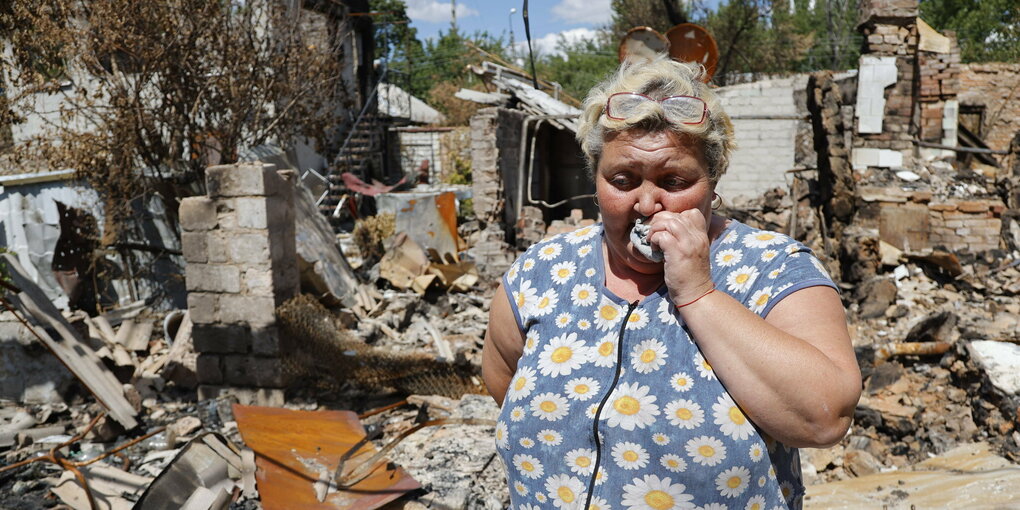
{"x":298,"y":451}
{"x":429,"y":218}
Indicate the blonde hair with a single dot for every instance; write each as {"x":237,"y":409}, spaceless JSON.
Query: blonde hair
{"x":658,"y":79}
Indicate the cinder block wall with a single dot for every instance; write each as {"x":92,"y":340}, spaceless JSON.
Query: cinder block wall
{"x":495,"y":154}
{"x":767,"y":121}
{"x":241,"y":259}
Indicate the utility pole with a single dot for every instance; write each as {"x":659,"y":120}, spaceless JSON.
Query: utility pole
{"x":453,"y":15}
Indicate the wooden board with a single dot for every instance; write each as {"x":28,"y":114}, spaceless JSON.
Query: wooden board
{"x":77,"y":356}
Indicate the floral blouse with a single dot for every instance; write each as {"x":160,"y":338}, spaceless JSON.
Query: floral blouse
{"x":613,"y":406}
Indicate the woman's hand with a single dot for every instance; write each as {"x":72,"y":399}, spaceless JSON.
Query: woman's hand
{"x":683,"y":239}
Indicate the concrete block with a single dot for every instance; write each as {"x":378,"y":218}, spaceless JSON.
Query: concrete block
{"x":221,"y":338}
{"x":248,"y":248}
{"x":197,"y":214}
{"x":218,"y":249}
{"x":257,"y":282}
{"x":193,"y":244}
{"x":251,"y":212}
{"x":246,"y":179}
{"x":255,"y":311}
{"x":212,"y":278}
{"x":208,"y":368}
{"x":266,"y":341}
{"x":243,"y":370}
{"x":203,"y":307}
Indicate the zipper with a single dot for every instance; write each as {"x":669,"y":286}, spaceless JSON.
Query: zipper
{"x":602,"y":404}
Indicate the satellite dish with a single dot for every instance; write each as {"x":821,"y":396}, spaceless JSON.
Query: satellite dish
{"x":691,"y":43}
{"x":642,"y":43}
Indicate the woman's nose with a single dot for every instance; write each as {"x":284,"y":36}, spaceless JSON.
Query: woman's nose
{"x":648,"y":202}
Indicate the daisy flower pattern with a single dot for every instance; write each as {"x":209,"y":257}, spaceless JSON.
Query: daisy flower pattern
{"x":704,"y":367}
{"x":707,"y":451}
{"x":582,"y":235}
{"x":549,"y":406}
{"x":583,"y":294}
{"x":550,"y":251}
{"x":607,"y":314}
{"x":562,"y":355}
{"x":605,"y":351}
{"x":731,"y":419}
{"x":550,"y":437}
{"x":563,"y":320}
{"x":517,"y":414}
{"x":618,"y":394}
{"x":502,"y":438}
{"x":648,"y":356}
{"x":759,"y":299}
{"x":582,"y":388}
{"x":637,"y":319}
{"x":741,"y":279}
{"x":544,"y":304}
{"x":727,"y":258}
{"x":651,"y":492}
{"x":528,"y":466}
{"x":565,"y":491}
{"x":530,"y":341}
{"x":629,"y":455}
{"x":521,"y":489}
{"x":763,"y":239}
{"x":581,"y":461}
{"x":673,"y":463}
{"x":667,"y":313}
{"x":562,"y":272}
{"x":733,"y":481}
{"x":681,"y":382}
{"x":631,"y":406}
{"x":686,"y":414}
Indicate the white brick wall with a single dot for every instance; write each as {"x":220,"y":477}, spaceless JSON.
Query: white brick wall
{"x":765,"y":147}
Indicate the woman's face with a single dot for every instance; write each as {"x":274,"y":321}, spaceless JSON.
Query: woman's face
{"x":641,"y":174}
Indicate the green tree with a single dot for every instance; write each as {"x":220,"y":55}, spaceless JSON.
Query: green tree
{"x":579,"y":65}
{"x":987,"y":30}
{"x":657,"y":14}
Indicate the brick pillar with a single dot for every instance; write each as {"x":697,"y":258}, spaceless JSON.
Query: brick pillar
{"x":241,"y":259}
{"x":890,"y":48}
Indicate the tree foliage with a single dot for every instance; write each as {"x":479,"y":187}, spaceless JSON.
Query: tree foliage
{"x":149,"y":93}
{"x":987,"y":30}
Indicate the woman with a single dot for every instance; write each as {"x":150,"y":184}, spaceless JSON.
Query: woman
{"x":683,"y":383}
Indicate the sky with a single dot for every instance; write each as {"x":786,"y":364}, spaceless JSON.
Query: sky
{"x":574,"y":19}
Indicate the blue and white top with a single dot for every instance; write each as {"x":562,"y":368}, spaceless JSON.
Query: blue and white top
{"x":613,"y":406}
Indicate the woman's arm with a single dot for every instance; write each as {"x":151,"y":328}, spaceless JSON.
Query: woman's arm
{"x":504,"y":344}
{"x":794,"y":373}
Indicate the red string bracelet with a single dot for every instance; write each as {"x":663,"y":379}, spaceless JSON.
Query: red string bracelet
{"x":696,"y":299}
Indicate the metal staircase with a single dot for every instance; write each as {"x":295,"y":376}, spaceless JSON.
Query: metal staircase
{"x":361,"y":152}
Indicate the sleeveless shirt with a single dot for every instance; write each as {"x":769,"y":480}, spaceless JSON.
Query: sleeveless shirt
{"x":613,"y":406}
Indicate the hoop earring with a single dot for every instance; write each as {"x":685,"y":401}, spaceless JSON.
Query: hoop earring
{"x":595,"y":198}
{"x":717,"y":201}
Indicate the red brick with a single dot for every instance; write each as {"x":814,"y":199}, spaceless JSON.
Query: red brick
{"x":973,"y":206}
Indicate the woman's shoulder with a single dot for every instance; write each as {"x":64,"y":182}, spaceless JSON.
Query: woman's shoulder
{"x":565,"y":248}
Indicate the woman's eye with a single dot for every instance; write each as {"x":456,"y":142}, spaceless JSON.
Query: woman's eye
{"x":674,"y":182}
{"x":621,"y":181}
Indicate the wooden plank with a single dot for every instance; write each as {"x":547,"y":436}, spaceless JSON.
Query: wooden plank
{"x":69,"y":349}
